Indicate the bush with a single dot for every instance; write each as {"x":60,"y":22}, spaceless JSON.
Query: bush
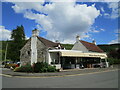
{"x":17,"y":69}
{"x":37,"y":67}
{"x":25,"y":68}
{"x":51,"y":69}
{"x":116,"y":61}
{"x":113,"y":61}
{"x":40,"y":67}
{"x":43,"y":67}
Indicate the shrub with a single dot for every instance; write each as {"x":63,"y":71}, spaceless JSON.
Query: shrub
{"x":40,"y":67}
{"x":43,"y":67}
{"x":37,"y":67}
{"x":51,"y":69}
{"x":116,"y":61}
{"x":113,"y":61}
{"x":17,"y":69}
{"x":25,"y":68}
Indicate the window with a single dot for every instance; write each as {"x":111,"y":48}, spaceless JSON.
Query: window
{"x":22,"y":54}
{"x":28,"y":52}
{"x":102,"y":60}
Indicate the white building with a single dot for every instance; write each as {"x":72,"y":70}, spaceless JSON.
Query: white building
{"x":83,"y":53}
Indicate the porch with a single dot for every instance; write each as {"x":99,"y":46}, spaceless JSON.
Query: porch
{"x":68,"y":59}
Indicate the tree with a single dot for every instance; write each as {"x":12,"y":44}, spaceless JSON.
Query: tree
{"x":114,"y":56}
{"x":115,"y":53}
{"x":18,"y":40}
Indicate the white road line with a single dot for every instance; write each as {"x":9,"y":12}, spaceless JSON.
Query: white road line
{"x":5,"y":75}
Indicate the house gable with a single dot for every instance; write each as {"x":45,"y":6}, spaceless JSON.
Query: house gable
{"x":79,"y":46}
{"x":91,"y":47}
{"x":41,"y":51}
{"x":86,"y":47}
{"x":25,"y":53}
{"x":49,"y":44}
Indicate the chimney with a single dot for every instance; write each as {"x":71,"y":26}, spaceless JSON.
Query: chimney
{"x":94,"y":42}
{"x":34,"y":38}
{"x":35,"y":32}
{"x":77,"y":38}
{"x":57,"y":41}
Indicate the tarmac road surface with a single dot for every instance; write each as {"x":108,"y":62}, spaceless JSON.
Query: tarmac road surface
{"x":94,"y":80}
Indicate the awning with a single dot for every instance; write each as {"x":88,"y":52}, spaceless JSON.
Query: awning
{"x":75,"y":53}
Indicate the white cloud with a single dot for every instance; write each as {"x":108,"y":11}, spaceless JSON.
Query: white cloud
{"x":117,"y":35}
{"x":19,"y":7}
{"x":113,"y":41}
{"x":64,"y":20}
{"x":4,"y":33}
{"x":118,"y":31}
{"x":102,"y":9}
{"x":102,"y":29}
{"x":114,"y":10}
{"x":60,"y":0}
{"x":114,"y":7}
{"x":26,"y":38}
{"x":96,"y":29}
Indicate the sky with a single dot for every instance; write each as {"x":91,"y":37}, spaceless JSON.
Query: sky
{"x":62,"y":21}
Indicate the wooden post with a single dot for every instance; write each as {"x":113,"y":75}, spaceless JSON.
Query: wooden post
{"x":6,"y":52}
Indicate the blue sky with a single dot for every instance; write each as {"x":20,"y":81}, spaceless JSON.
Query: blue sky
{"x":63,"y":21}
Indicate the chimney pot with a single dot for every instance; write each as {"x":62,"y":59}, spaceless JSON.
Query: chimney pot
{"x":94,"y":42}
{"x":35,"y":32}
{"x":77,"y":38}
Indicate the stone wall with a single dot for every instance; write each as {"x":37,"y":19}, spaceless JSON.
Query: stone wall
{"x":41,"y":51}
{"x":25,"y":53}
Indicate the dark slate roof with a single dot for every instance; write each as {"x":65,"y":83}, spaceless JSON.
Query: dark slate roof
{"x":91,"y":46}
{"x":48,"y":43}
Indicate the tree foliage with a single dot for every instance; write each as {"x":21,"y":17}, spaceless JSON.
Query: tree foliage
{"x":67,"y":46}
{"x":18,"y":40}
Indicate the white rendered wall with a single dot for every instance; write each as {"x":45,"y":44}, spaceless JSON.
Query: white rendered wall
{"x":79,"y":46}
{"x":49,"y":59}
{"x":33,"y":49}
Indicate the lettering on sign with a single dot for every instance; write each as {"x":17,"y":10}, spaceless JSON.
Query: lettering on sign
{"x":97,"y":55}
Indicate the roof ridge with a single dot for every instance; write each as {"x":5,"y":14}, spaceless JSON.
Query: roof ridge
{"x":91,"y":46}
{"x":47,"y":39}
{"x":87,"y":42}
{"x":47,"y":42}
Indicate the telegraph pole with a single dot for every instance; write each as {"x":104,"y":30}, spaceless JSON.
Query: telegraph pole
{"x":6,"y":50}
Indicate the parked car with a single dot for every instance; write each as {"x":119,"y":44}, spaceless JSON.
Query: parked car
{"x":7,"y":62}
{"x":99,"y":65}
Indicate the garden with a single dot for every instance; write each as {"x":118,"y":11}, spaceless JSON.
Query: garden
{"x":38,"y":67}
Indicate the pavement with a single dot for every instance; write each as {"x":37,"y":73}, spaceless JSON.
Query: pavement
{"x":68,"y":72}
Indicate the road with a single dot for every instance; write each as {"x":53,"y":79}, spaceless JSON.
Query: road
{"x":95,"y":80}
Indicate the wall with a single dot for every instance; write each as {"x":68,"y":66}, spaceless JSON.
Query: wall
{"x":55,"y":58}
{"x":41,"y":52}
{"x":25,"y":53}
{"x":79,"y":46}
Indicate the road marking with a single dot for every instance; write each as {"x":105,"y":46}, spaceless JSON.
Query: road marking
{"x":5,"y":75}
{"x":64,"y":75}
{"x":57,"y":76}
